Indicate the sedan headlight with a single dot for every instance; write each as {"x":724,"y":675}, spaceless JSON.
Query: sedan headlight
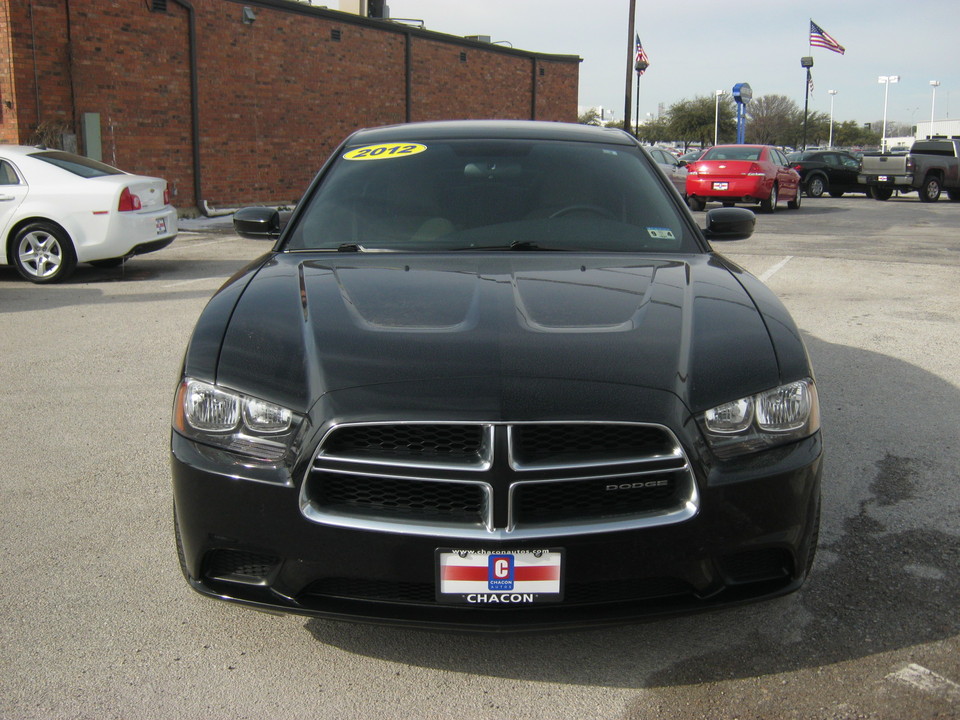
{"x":784,"y":414}
{"x":241,"y":424}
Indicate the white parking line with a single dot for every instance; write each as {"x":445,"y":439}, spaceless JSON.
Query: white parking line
{"x":772,"y":271}
{"x":184,"y":282}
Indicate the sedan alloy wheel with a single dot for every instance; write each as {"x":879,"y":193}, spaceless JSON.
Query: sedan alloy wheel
{"x":44,"y":254}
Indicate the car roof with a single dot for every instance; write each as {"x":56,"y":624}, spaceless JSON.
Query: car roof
{"x":490,"y":129}
{"x":22,"y":150}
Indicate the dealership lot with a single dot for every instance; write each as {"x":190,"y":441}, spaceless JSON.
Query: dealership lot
{"x":98,"y":623}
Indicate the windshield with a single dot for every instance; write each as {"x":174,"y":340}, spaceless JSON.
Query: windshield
{"x":82,"y":166}
{"x":492,"y":195}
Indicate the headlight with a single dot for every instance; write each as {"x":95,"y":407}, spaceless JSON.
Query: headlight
{"x":232,"y":421}
{"x":784,"y":414}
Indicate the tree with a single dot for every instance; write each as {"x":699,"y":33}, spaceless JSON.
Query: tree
{"x":655,"y":131}
{"x":692,"y":121}
{"x":590,"y":117}
{"x":774,"y":120}
{"x":854,"y":135}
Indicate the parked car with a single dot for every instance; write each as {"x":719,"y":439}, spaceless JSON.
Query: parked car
{"x":493,"y":376}
{"x":756,"y":174}
{"x":58,"y":209}
{"x":671,"y":167}
{"x":826,"y":171}
{"x":692,"y":156}
{"x":930,"y":167}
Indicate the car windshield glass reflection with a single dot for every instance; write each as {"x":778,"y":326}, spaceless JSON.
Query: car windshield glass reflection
{"x":492,"y":195}
{"x":732,"y":153}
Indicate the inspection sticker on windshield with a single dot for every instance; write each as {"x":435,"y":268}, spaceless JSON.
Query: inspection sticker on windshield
{"x":499,"y":577}
{"x":661,"y":233}
{"x":385,"y":151}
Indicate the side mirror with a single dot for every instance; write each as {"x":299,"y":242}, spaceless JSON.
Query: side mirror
{"x":257,"y":223}
{"x":729,"y":224}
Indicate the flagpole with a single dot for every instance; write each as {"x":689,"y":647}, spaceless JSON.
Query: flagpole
{"x":636,"y":125}
{"x":630,"y":53}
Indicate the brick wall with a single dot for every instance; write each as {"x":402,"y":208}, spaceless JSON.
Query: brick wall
{"x":274,"y":97}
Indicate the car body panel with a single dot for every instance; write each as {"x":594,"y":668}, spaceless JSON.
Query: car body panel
{"x":512,"y":341}
{"x":721,"y":177}
{"x":671,"y":167}
{"x":86,"y":207}
{"x":840,"y":169}
{"x":479,"y":316}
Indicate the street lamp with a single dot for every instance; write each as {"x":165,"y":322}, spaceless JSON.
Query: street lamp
{"x":885,"y":80}
{"x":933,"y":103}
{"x":716,"y":114}
{"x":833,"y":94}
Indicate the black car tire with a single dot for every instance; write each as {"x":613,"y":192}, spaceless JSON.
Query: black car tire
{"x":43,"y":253}
{"x":769,"y":204}
{"x":881,"y":193}
{"x":930,"y":190}
{"x":795,"y":203}
{"x":816,"y":186}
{"x":836,"y":193}
{"x":696,"y":203}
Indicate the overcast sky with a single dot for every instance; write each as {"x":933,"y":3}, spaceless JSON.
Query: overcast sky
{"x":698,"y":46}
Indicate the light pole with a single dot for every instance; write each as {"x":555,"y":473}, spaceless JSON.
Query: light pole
{"x":716,"y":114}
{"x":885,"y":80}
{"x":833,"y":94}
{"x":933,"y":103}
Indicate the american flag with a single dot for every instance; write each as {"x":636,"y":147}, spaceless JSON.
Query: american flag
{"x":820,"y":38}
{"x":641,"y":63}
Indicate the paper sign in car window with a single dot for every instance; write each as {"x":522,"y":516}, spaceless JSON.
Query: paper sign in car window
{"x":385,"y":151}
{"x":659,"y":233}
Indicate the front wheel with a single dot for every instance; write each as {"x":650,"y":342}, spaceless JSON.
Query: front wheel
{"x":930,"y":190}
{"x":816,"y":186}
{"x":770,"y":204}
{"x":43,"y":253}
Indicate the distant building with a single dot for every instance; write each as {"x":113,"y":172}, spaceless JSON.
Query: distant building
{"x":240,"y":102}
{"x":944,"y":128}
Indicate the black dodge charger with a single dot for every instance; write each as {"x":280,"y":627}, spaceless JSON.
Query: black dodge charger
{"x":492,"y":376}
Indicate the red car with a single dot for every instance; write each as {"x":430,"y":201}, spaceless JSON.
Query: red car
{"x":743,"y":174}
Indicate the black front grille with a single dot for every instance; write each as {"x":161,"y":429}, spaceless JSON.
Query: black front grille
{"x":565,"y":443}
{"x":396,"y":497}
{"x":587,"y":593}
{"x":415,"y":442}
{"x":240,"y":566}
{"x":526,"y":478}
{"x":557,"y":501}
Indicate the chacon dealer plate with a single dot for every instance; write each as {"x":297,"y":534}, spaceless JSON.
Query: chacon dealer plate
{"x":499,"y":577}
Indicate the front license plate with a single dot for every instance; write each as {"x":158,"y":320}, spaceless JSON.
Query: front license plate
{"x":499,"y":577}
{"x":161,"y":226}
{"x":720,"y":186}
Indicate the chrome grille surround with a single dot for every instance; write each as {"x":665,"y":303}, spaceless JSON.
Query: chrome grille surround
{"x":415,"y":490}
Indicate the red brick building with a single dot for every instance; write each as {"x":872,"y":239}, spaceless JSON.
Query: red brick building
{"x":238,"y":102}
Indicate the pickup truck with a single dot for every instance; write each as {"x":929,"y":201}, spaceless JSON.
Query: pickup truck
{"x":931,"y":166}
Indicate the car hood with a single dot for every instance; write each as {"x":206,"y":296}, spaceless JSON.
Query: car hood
{"x":305,"y":326}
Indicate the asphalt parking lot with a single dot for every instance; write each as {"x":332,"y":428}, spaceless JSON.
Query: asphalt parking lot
{"x":98,"y":623}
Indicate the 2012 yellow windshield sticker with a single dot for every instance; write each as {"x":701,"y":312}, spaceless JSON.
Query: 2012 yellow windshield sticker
{"x":384,"y":151}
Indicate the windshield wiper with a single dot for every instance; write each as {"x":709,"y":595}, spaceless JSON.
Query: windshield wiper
{"x":517,"y":245}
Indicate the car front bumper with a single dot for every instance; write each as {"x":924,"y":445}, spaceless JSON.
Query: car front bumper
{"x":250,"y":543}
